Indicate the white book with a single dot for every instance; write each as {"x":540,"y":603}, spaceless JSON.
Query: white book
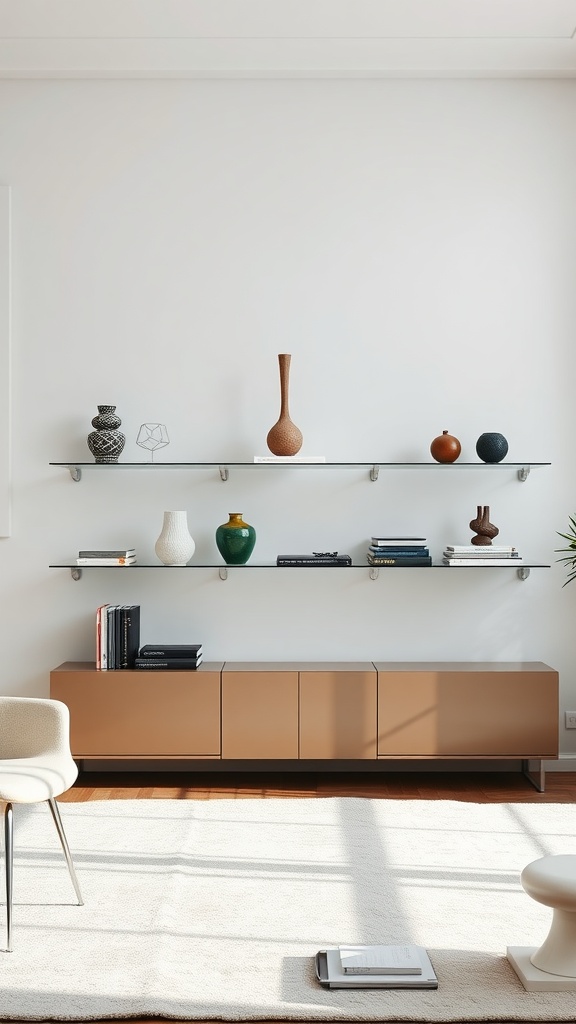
{"x":106,"y":561}
{"x":289,"y":458}
{"x":473,"y":562}
{"x":477,"y":549}
{"x":330,"y":974}
{"x":395,"y":542}
{"x":480,"y":553}
{"x":403,"y":959}
{"x":104,"y":636}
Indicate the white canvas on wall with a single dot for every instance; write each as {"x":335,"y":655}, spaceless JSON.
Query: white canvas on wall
{"x":5,"y":481}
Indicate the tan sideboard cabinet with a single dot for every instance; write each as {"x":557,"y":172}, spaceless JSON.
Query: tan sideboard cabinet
{"x":299,"y":710}
{"x":468,"y":710}
{"x":128,"y":714}
{"x":325,"y":711}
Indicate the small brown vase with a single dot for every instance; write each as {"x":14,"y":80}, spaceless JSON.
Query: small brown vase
{"x":483,"y":527}
{"x":284,"y":438}
{"x":445,"y":448}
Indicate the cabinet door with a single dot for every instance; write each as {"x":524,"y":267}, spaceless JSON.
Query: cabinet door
{"x":338,"y":714}
{"x":129,"y":713}
{"x":451,"y":713}
{"x":259,"y":714}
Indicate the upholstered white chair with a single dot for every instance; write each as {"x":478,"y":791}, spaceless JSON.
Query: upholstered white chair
{"x":35,"y":765}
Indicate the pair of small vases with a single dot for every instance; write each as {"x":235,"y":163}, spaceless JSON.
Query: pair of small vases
{"x":490,"y":447}
{"x":235,"y":540}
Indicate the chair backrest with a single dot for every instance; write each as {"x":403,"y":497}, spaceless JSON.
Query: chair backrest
{"x":30,"y":726}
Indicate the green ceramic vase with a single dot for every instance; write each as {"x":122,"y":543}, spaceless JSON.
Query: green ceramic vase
{"x":235,"y":540}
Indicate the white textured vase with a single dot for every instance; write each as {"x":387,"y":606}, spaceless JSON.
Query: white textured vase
{"x":175,"y":546}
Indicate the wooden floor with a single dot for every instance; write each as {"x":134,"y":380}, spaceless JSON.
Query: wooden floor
{"x":478,"y":787}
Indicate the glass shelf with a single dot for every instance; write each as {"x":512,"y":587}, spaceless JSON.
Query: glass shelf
{"x":374,"y":465}
{"x":522,"y":570}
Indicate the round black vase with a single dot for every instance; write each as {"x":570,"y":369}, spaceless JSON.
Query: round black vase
{"x":491,"y":447}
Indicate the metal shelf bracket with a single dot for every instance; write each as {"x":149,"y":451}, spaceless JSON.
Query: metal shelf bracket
{"x":75,"y":473}
{"x":223,"y":572}
{"x":523,"y":572}
{"x":374,"y":571}
{"x":223,"y":472}
{"x":76,"y":573}
{"x":374,"y":473}
{"x":523,"y":474}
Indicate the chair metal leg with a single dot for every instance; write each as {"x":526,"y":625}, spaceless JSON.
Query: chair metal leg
{"x":8,"y":857}
{"x":62,"y":835}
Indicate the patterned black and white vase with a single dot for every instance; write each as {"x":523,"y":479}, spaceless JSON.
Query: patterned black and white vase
{"x":106,"y":441}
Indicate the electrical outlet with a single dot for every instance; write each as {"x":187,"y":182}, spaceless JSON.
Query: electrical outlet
{"x":570,"y":719}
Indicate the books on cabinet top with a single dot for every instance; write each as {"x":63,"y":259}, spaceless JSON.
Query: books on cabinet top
{"x":154,"y":664}
{"x":170,"y":651}
{"x":169,"y":656}
{"x":117,"y":635}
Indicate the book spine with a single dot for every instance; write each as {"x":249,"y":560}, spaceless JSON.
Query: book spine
{"x":130,"y":560}
{"x":99,"y":637}
{"x":512,"y":556}
{"x":165,"y":654}
{"x":410,"y":560}
{"x":471,"y":562}
{"x":155,"y":663}
{"x":392,"y":552}
{"x":398,"y":541}
{"x":104,"y":637}
{"x":477,"y":549}
{"x":130,"y":635}
{"x":119,"y":553}
{"x":406,"y":972}
{"x":314,"y":561}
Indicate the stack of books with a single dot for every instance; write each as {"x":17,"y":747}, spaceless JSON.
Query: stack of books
{"x":112,"y":556}
{"x":117,"y":635}
{"x":480,"y":554}
{"x":316,"y":558}
{"x":405,"y":966}
{"x":169,"y":656}
{"x":403,"y":551}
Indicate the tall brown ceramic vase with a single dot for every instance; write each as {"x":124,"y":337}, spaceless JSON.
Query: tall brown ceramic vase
{"x":284,"y":438}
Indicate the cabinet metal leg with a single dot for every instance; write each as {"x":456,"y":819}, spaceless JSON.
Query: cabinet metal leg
{"x":538,"y":779}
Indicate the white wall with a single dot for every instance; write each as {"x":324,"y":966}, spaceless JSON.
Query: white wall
{"x":411,"y":243}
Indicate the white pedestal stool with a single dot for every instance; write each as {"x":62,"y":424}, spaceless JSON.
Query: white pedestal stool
{"x":551,"y":881}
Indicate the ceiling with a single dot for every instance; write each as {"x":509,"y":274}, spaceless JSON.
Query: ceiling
{"x":287,"y":38}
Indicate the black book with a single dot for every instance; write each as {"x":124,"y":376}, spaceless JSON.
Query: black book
{"x":170,"y":663}
{"x":400,"y":560}
{"x":129,"y":634}
{"x":164,"y":651}
{"x":313,"y":560}
{"x":111,"y":635}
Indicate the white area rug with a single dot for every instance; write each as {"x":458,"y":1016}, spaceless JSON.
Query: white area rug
{"x":215,"y":909}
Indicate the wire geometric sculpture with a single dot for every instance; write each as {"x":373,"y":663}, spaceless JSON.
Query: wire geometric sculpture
{"x":152,"y":436}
